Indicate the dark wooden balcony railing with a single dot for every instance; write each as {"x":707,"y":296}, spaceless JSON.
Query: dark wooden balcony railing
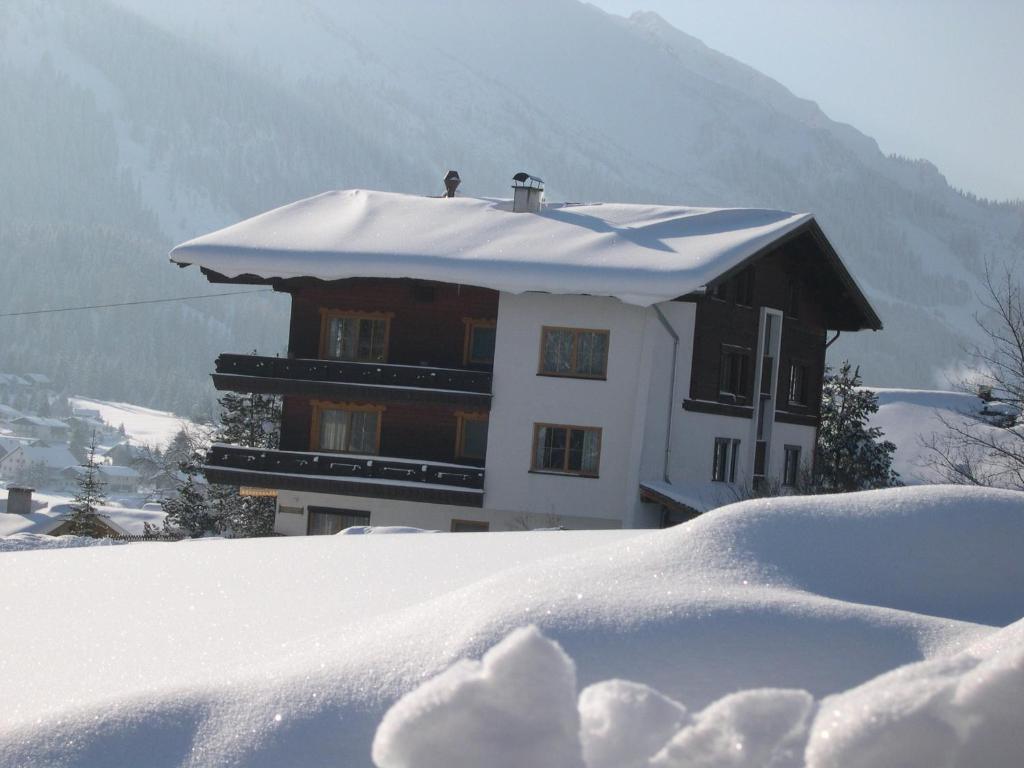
{"x":340,"y":372}
{"x":343,"y":467}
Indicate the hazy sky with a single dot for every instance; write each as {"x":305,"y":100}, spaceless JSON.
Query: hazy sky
{"x":939,"y":79}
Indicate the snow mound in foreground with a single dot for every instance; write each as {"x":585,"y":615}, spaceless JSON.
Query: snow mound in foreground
{"x":515,"y":708}
{"x":288,"y":651}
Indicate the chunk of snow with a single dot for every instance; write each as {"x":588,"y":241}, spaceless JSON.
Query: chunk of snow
{"x":750,"y":729}
{"x":515,"y":707}
{"x":622,"y":723}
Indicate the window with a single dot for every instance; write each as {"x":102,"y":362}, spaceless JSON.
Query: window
{"x":479,"y":344}
{"x":346,"y":428}
{"x":791,"y":468}
{"x":797,"y":384}
{"x":734,"y":372}
{"x":745,"y":287}
{"x":355,"y":337}
{"x":723,"y":467}
{"x":282,"y":510}
{"x":471,"y":438}
{"x":573,"y":352}
{"x":326,"y":521}
{"x":469,"y":526}
{"x":721,"y":291}
{"x":572,"y":450}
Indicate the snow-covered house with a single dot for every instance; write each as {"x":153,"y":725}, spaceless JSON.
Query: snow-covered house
{"x":115,"y":479}
{"x":41,"y":427}
{"x":38,"y":463}
{"x":472,"y":364}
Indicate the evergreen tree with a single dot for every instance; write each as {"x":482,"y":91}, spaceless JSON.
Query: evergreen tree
{"x":85,"y":517}
{"x":252,"y":421}
{"x":188,"y":513}
{"x":79,"y":441}
{"x":851,"y":456}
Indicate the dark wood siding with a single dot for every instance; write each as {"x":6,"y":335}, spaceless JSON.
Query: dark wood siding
{"x":427,"y":325}
{"x":421,"y":431}
{"x":720,"y":323}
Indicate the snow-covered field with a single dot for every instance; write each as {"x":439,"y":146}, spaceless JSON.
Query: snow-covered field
{"x":145,"y":426}
{"x":289,"y":651}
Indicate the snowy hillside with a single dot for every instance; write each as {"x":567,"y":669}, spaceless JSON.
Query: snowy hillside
{"x":914,"y":420}
{"x":166,"y":120}
{"x":144,"y":426}
{"x":289,"y":651}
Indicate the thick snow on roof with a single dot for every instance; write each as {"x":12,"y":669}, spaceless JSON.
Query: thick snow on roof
{"x":297,"y":646}
{"x":642,"y":254}
{"x":52,"y":456}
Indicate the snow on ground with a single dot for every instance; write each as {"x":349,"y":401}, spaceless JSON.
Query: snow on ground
{"x":289,"y":651}
{"x":909,"y":417}
{"x":145,"y":426}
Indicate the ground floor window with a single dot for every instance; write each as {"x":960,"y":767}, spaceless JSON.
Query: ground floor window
{"x":326,"y":521}
{"x":791,"y":468}
{"x":725,"y":459}
{"x":470,"y":526}
{"x":572,"y":450}
{"x":346,"y":428}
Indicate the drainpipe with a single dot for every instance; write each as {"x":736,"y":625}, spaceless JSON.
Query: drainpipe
{"x":832,"y":340}
{"x":671,"y":389}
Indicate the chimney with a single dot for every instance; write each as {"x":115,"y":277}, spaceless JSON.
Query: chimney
{"x":527,"y":191}
{"x":19,"y":500}
{"x":451,"y":183}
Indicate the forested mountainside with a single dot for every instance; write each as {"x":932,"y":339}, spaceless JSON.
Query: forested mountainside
{"x":132,"y":124}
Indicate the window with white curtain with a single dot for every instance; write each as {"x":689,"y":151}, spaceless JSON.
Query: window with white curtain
{"x":356,"y":338}
{"x":570,"y":450}
{"x":348,"y":430}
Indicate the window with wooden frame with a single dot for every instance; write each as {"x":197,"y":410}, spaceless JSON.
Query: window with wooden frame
{"x":797,"y":383}
{"x":360,"y":337}
{"x":573,"y":352}
{"x":566,"y":449}
{"x":346,"y":428}
{"x":734,"y":373}
{"x":791,"y":467}
{"x":469,"y":526}
{"x":723,"y":466}
{"x":478,"y":347}
{"x":471,"y":435}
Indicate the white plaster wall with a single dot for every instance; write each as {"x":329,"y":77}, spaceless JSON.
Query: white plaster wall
{"x":658,"y":361}
{"x":522,"y":398}
{"x":417,"y":514}
{"x":694,"y":446}
{"x":790,"y":434}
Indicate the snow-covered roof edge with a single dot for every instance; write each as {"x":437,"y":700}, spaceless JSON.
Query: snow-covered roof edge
{"x":641,"y":254}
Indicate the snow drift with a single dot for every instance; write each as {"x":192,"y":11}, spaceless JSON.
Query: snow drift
{"x":289,"y":651}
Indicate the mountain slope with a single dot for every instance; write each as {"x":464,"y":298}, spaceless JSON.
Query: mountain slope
{"x":205,"y":113}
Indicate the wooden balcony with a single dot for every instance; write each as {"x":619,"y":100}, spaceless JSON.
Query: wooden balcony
{"x":347,"y":474}
{"x":338,"y":379}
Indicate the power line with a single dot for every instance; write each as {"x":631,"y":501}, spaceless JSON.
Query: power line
{"x":130,"y":303}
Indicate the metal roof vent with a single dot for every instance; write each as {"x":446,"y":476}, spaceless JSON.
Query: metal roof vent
{"x":527,"y":191}
{"x":451,"y":183}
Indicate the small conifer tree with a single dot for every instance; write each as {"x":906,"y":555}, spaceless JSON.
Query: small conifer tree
{"x":85,"y":518}
{"x":851,"y":456}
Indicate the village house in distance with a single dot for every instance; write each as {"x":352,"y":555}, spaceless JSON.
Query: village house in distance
{"x":472,"y":364}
